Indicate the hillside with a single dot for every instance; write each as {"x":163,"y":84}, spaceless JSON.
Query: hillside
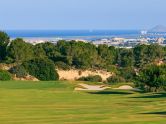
{"x":158,"y":28}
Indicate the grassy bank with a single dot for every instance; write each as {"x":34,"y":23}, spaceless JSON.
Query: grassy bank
{"x":57,"y":102}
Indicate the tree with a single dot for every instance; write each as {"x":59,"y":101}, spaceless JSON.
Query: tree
{"x":20,"y":51}
{"x":84,"y":55}
{"x":128,"y":73}
{"x":39,"y":52}
{"x":4,"y":41}
{"x":43,"y":69}
{"x":51,"y":51}
{"x":156,"y":52}
{"x":79,"y":54}
{"x":107,"y":54}
{"x":125,"y":57}
{"x":152,"y":78}
{"x":145,"y":54}
{"x":19,"y":71}
{"x":164,"y":49}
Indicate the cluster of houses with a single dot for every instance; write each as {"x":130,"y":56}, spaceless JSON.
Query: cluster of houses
{"x":129,"y":43}
{"x":114,"y":41}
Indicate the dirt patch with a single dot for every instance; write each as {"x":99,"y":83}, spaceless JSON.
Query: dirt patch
{"x":26,"y":78}
{"x":4,"y":66}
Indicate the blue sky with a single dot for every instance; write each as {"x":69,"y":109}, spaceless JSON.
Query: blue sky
{"x":82,"y":14}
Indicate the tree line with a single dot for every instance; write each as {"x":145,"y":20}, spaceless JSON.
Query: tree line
{"x":79,"y":54}
{"x":71,"y":54}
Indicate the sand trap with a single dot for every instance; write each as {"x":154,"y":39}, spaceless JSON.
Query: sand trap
{"x":86,"y":87}
{"x":127,"y":87}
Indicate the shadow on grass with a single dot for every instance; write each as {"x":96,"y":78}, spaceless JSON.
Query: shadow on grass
{"x":111,"y":92}
{"x":156,"y":95}
{"x":156,"y":113}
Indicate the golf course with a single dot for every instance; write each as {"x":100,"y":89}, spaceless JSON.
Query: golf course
{"x":56,"y":102}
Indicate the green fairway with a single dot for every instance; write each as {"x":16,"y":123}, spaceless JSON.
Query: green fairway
{"x":58,"y":103}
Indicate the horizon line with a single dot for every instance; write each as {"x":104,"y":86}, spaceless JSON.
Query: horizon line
{"x":67,"y":29}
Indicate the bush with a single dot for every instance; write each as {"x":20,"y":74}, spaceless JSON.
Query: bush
{"x":115,"y":79}
{"x":152,"y":78}
{"x":42,"y":69}
{"x":5,"y":75}
{"x":95,"y":78}
{"x":62,"y":65}
{"x":19,"y":70}
{"x":127,"y":73}
{"x":112,"y":68}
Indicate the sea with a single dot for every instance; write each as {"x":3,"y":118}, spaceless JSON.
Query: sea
{"x":78,"y":34}
{"x":73,"y":34}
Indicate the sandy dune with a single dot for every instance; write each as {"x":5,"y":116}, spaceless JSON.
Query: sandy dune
{"x":75,"y":74}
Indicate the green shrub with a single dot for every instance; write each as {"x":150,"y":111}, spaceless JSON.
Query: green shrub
{"x":95,"y":78}
{"x":42,"y":69}
{"x":9,"y":60}
{"x":127,"y":73}
{"x":19,"y":70}
{"x":152,"y":78}
{"x":62,"y":65}
{"x":112,"y":68}
{"x":115,"y":79}
{"x":5,"y":75}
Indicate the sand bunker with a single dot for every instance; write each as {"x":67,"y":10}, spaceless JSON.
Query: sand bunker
{"x":86,"y":87}
{"x":127,"y":87}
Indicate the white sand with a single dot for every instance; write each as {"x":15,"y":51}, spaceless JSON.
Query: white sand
{"x":127,"y":87}
{"x":86,"y":87}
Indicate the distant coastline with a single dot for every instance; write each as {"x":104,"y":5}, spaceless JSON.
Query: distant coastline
{"x":89,"y":35}
{"x":67,"y":34}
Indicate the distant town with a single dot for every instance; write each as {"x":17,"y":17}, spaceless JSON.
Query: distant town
{"x":148,"y":38}
{"x":145,"y":38}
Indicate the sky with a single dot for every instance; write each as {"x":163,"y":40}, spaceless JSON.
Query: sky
{"x":81,"y":14}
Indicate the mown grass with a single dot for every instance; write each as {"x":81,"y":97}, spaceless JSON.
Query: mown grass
{"x":57,"y":103}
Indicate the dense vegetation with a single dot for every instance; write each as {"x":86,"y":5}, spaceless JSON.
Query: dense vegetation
{"x":5,"y":75}
{"x":125,"y":63}
{"x":42,"y":69}
{"x":90,"y":78}
{"x":115,"y":79}
{"x":79,"y":54}
{"x":19,"y":71}
{"x":152,"y":78}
